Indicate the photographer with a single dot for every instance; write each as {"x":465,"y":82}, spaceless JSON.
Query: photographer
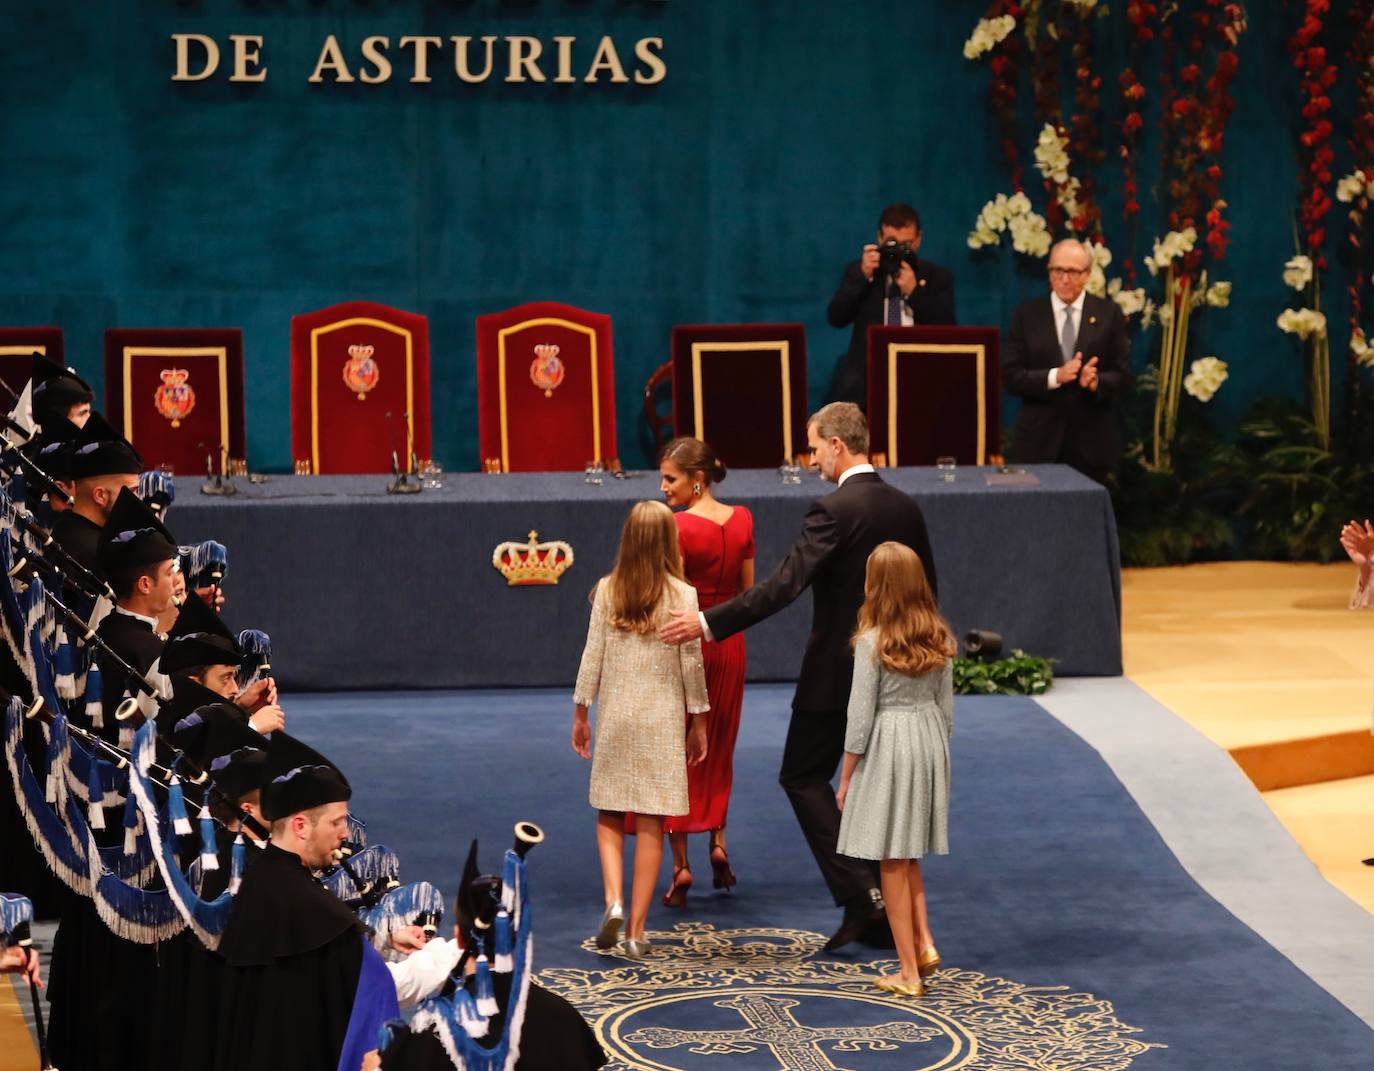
{"x":887,"y":285}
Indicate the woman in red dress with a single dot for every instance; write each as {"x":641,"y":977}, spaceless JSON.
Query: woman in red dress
{"x":717,"y":543}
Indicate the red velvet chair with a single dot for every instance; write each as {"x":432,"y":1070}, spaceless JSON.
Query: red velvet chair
{"x":545,"y":389}
{"x":359,"y":389}
{"x":177,"y":394}
{"x":933,"y":392}
{"x":17,"y":347}
{"x":742,"y":388}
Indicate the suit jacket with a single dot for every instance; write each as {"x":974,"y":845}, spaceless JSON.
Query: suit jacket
{"x":862,"y":302}
{"x":78,"y":537}
{"x":830,"y":557}
{"x":1069,"y":423}
{"x":137,"y":644}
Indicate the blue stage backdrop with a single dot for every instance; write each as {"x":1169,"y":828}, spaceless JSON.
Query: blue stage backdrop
{"x":681,"y":161}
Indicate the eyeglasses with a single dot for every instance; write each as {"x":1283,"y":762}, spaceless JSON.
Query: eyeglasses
{"x":1070,"y":272}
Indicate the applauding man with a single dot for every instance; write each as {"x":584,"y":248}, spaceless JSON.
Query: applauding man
{"x":1068,"y":359}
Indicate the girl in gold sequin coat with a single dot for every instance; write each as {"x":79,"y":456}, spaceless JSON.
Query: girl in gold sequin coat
{"x":640,"y":687}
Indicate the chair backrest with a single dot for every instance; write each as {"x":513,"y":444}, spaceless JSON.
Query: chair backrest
{"x":660,"y":422}
{"x":933,"y":392}
{"x":546,"y":389}
{"x":17,"y":347}
{"x":177,"y":395}
{"x":742,"y":388}
{"x":359,"y":389}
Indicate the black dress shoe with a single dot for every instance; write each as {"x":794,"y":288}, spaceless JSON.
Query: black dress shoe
{"x":859,"y":915}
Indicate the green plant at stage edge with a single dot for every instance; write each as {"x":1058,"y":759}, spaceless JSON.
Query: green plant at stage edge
{"x":1021,"y":674}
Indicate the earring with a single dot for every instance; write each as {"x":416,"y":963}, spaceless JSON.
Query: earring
{"x":696,"y":490}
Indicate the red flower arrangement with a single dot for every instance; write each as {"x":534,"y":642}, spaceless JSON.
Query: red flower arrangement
{"x":1315,"y":155}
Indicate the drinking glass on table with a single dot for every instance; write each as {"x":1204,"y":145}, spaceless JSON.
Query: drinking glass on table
{"x":593,"y":472}
{"x":945,"y":465}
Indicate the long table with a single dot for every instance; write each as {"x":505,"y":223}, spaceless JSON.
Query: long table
{"x":361,"y":589}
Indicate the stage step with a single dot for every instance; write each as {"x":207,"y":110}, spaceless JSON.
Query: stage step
{"x":1331,"y":821}
{"x":1307,"y":761}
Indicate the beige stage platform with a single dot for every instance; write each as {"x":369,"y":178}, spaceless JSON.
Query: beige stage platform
{"x":1267,"y":661}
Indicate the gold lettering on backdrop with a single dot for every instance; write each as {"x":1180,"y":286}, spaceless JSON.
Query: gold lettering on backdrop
{"x":331,"y":59}
{"x":523,"y":53}
{"x":211,"y":56}
{"x":198,"y":59}
{"x":647,"y":52}
{"x":460,"y":59}
{"x":374,"y":52}
{"x":244,"y":57}
{"x":422,"y":45}
{"x":565,"y":59}
{"x":608,"y":59}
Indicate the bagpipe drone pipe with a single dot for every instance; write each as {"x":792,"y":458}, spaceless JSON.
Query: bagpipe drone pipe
{"x":16,"y":920}
{"x":477,"y":1030}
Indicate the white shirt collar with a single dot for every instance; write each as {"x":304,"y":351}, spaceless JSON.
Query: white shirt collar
{"x":853,"y":470}
{"x":151,"y":622}
{"x":1059,"y":306}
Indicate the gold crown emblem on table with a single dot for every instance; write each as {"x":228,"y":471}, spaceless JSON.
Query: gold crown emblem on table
{"x":532,"y":562}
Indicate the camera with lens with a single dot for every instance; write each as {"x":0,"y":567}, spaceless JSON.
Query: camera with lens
{"x":891,"y":254}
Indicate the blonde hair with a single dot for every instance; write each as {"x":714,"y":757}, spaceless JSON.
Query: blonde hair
{"x":648,"y":556}
{"x":899,"y":608}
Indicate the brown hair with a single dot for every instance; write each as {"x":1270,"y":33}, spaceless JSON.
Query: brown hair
{"x":898,"y":216}
{"x":912,"y":636}
{"x":648,"y":556}
{"x":693,"y":455}
{"x":844,"y":421}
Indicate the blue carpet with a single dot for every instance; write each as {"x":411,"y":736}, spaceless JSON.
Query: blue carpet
{"x":1058,"y":886}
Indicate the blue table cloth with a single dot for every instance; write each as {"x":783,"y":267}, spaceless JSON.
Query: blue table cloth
{"x":361,"y":589}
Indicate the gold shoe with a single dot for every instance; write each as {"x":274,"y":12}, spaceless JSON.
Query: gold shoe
{"x":900,"y":988}
{"x":928,"y":962}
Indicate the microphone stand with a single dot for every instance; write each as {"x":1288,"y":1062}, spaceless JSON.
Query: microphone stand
{"x":217,"y":483}
{"x":403,"y":483}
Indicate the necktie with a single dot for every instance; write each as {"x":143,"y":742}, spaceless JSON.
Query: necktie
{"x":1068,"y":338}
{"x":894,"y":304}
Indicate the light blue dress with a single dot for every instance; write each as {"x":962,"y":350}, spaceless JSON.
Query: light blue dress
{"x":898,"y":801}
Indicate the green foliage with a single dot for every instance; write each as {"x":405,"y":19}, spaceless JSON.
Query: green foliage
{"x":1184,"y":513}
{"x":1021,"y":674}
{"x":1301,"y":493}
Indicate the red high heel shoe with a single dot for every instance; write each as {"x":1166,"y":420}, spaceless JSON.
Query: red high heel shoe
{"x":676,"y":896}
{"x":722,"y":877}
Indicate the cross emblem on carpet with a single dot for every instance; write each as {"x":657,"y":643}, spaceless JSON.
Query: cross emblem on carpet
{"x":772,"y":1025}
{"x":762,"y":999}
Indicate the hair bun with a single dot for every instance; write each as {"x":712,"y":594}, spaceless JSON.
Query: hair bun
{"x":718,"y":470}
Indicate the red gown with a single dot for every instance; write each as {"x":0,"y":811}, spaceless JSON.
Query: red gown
{"x":711,"y":557}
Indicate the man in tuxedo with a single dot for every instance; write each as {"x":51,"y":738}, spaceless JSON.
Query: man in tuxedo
{"x":920,"y":293}
{"x":1068,"y":358}
{"x":830,"y":557}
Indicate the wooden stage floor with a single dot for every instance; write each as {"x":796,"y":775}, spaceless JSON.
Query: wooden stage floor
{"x":1267,"y":661}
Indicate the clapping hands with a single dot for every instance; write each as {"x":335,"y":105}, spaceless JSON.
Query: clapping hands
{"x":1358,"y":541}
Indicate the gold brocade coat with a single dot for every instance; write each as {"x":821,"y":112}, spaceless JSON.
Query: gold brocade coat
{"x":643,"y":690}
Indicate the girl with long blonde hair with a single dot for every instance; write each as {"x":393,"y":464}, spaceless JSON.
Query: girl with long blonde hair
{"x":640,"y":686}
{"x":894,"y":784}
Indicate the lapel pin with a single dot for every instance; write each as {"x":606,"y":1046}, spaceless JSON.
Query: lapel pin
{"x":921,"y":282}
{"x":1092,"y":319}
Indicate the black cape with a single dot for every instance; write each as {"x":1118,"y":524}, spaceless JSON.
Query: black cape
{"x":554,"y":1038}
{"x":293,"y":954}
{"x":78,"y":537}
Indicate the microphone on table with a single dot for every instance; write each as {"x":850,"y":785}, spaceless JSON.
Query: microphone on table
{"x":216,"y":483}
{"x":401,"y":483}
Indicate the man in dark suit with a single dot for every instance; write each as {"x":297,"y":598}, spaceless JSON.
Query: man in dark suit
{"x":919,"y":293}
{"x":830,"y":557}
{"x":1068,"y":413}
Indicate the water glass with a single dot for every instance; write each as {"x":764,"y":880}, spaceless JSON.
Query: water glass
{"x":593,"y":472}
{"x":945,"y":465}
{"x":433,"y":474}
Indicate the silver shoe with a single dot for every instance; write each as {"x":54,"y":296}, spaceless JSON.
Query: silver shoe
{"x":636,"y":948}
{"x":611,"y":921}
